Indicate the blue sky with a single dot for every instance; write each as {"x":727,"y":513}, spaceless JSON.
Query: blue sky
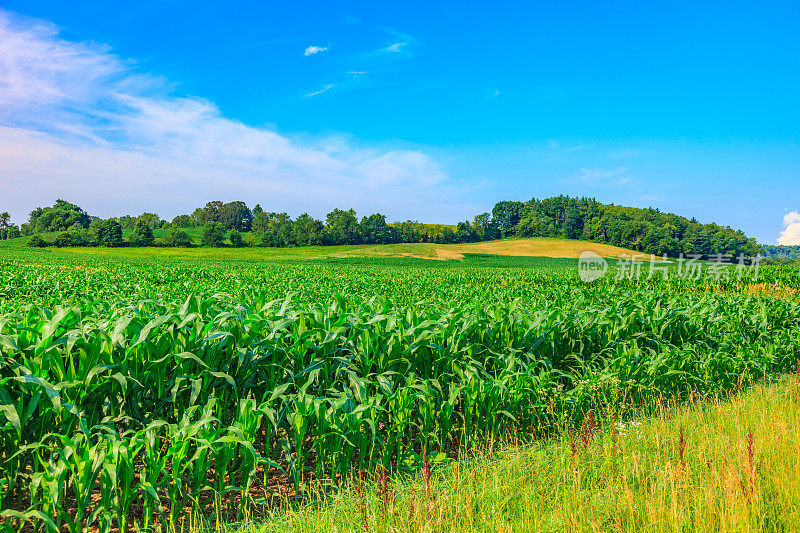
{"x":421,"y":111}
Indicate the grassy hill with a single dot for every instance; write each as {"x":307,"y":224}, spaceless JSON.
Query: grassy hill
{"x":532,"y":247}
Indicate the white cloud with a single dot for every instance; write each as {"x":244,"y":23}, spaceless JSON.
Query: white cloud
{"x":624,"y":154}
{"x":556,"y":148}
{"x":396,"y":47}
{"x":76,"y":122}
{"x":311,"y":50}
{"x":600,"y":176}
{"x":790,"y":236}
{"x":326,"y":87}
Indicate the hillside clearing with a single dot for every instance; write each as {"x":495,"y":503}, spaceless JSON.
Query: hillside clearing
{"x":533,"y":247}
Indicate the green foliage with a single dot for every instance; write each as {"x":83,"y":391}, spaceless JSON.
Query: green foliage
{"x":275,"y":229}
{"x":507,"y":215}
{"x":782,"y":253}
{"x":341,"y":227}
{"x":107,"y":233}
{"x":645,"y":230}
{"x":465,"y":233}
{"x":411,"y":232}
{"x":150,"y":219}
{"x":307,"y":231}
{"x":374,"y":229}
{"x":236,"y":239}
{"x":485,"y":227}
{"x":236,"y":216}
{"x":213,"y":234}
{"x":176,"y":238}
{"x":209,"y":213}
{"x":728,"y":464}
{"x":77,"y":235}
{"x":37,"y":241}
{"x":142,"y":233}
{"x":182,"y":221}
{"x":60,"y":217}
{"x":6,"y":226}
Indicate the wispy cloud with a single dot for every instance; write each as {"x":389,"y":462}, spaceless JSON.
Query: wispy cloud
{"x":311,"y":50}
{"x":327,"y":87}
{"x":625,"y":154}
{"x":599,"y":176}
{"x":650,"y":197}
{"x":555,"y":148}
{"x":78,"y":122}
{"x":790,"y":236}
{"x":396,"y":47}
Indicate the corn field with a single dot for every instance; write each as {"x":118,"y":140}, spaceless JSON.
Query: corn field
{"x":134,"y":392}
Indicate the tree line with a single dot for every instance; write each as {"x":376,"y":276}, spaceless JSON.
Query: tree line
{"x":217,"y":223}
{"x":782,"y":254}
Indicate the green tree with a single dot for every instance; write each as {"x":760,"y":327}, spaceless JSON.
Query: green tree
{"x":127,"y":221}
{"x":176,"y":238}
{"x":485,"y":227}
{"x":60,"y":217}
{"x":465,"y":233}
{"x":151,"y":219}
{"x":183,"y":221}
{"x":142,"y":234}
{"x":276,"y":229}
{"x":108,"y":233}
{"x":306,"y":230}
{"x":573,"y":222}
{"x":5,"y":221}
{"x":213,"y":234}
{"x":36,"y":241}
{"x":533,"y":225}
{"x":507,"y":215}
{"x":236,"y":239}
{"x":374,"y":230}
{"x":212,"y":210}
{"x":13,"y":232}
{"x":207,"y":213}
{"x":75,"y":236}
{"x":236,"y":216}
{"x":341,"y":227}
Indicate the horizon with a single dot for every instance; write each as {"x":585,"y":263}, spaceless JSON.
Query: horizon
{"x":125,"y":109}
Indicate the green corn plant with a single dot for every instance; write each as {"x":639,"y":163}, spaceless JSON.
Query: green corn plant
{"x":194,"y":382}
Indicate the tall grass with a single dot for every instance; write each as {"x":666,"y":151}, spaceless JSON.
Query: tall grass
{"x":713,"y":465}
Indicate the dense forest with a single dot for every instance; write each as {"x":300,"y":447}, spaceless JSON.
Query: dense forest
{"x":781,"y":254}
{"x":235,"y":224}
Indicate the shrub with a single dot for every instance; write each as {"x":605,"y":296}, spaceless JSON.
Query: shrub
{"x":108,"y":233}
{"x":250,"y":239}
{"x":176,"y":238}
{"x":142,"y":234}
{"x":236,"y":239}
{"x":36,"y":241}
{"x":213,"y":234}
